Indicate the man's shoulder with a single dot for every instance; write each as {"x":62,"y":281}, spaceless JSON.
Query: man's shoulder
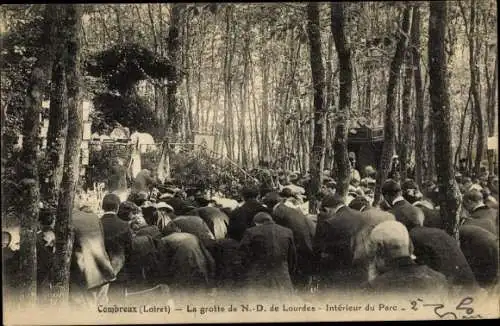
{"x":425,"y":272}
{"x":282,"y":229}
{"x":423,"y":231}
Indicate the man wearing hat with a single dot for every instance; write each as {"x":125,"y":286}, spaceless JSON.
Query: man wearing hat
{"x":413,"y":195}
{"x":480,"y":214}
{"x":242,"y":217}
{"x":333,"y":253}
{"x":269,"y":257}
{"x":298,"y":222}
{"x":404,"y":212}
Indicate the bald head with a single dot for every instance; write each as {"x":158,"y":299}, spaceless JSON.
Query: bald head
{"x":390,"y":239}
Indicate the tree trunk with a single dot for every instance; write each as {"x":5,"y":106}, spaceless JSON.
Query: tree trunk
{"x":173,"y":46}
{"x":318,"y":81}
{"x":420,"y":152}
{"x":389,"y":128}
{"x":58,"y":121}
{"x":471,"y":136}
{"x":28,"y":167}
{"x":266,"y":146}
{"x":474,"y":50}
{"x":491,"y":105}
{"x":405,"y":151}
{"x":63,"y":226}
{"x":438,"y":90}
{"x":343,"y":167}
{"x":458,"y":151}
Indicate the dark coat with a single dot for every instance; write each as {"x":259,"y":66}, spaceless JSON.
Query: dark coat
{"x":438,"y":250}
{"x":117,"y":238}
{"x":143,"y":265}
{"x":150,"y":230}
{"x":405,"y":213}
{"x":216,"y":220}
{"x":269,"y":257}
{"x":184,"y":262}
{"x":228,"y":260}
{"x":180,"y":206}
{"x":242,"y":218}
{"x":90,"y":264}
{"x":433,"y":217}
{"x":484,"y":217}
{"x":480,"y":247}
{"x":405,"y":277}
{"x":296,"y":221}
{"x":333,"y":250}
{"x":194,"y":225}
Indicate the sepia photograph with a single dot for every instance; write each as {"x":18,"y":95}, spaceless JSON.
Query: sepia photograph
{"x":249,"y":162}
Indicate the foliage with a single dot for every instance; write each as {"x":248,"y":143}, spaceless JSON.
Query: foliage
{"x":124,"y":65}
{"x":121,"y":67}
{"x":131,"y":111}
{"x":101,"y":161}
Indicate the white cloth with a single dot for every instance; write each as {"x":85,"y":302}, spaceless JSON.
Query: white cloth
{"x":144,"y":141}
{"x":135,"y":166}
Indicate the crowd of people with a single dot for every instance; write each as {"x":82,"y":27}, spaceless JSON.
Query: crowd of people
{"x":158,"y":240}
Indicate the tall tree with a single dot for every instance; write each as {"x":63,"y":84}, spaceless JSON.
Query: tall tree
{"x":343,"y":168}
{"x":28,"y":169}
{"x":52,"y":170}
{"x":438,"y":90}
{"x":390,"y":110}
{"x":174,"y":53}
{"x":471,"y":24}
{"x":318,"y":81}
{"x":405,"y":148}
{"x":63,"y":227}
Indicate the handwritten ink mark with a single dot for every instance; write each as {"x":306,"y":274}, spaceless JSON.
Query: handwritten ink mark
{"x":466,"y":301}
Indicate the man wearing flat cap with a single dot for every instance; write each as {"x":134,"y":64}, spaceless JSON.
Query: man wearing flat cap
{"x":405,"y":212}
{"x":269,"y":257}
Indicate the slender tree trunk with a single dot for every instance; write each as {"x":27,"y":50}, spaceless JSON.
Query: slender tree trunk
{"x":438,"y":90}
{"x":58,"y":120}
{"x":338,"y":29}
{"x":474,"y":49}
{"x":491,"y":105}
{"x":471,"y":136}
{"x":173,"y":46}
{"x":64,"y":224}
{"x":420,"y":152}
{"x":389,"y":128}
{"x":318,"y":80}
{"x":458,"y":151}
{"x":329,"y":104}
{"x":28,"y":167}
{"x":406,"y":125}
{"x":266,"y":150}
